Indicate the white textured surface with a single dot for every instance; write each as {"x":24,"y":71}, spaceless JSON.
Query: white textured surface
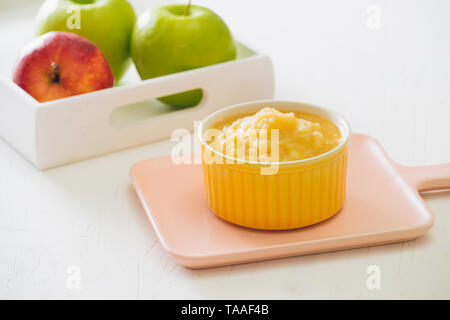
{"x":392,"y":83}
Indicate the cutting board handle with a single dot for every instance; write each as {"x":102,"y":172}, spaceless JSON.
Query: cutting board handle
{"x":426,"y":178}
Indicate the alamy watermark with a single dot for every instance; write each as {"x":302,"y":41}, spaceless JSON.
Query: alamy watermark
{"x":73,"y":281}
{"x":253,"y":145}
{"x":373,"y":281}
{"x":74,"y":20}
{"x":373,"y":17}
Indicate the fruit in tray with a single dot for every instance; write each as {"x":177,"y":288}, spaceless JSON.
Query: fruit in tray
{"x":107,"y":23}
{"x":176,"y":38}
{"x":164,"y":40}
{"x":61,"y":64}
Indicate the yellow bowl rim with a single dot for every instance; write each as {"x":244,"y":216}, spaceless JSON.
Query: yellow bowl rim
{"x":343,"y":126}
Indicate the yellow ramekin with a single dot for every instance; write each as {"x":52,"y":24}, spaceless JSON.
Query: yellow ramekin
{"x":301,"y":193}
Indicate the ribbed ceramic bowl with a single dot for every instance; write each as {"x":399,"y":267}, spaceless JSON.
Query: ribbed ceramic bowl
{"x":299,"y":194}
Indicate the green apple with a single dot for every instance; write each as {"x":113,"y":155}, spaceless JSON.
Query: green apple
{"x":107,"y":23}
{"x":176,"y":38}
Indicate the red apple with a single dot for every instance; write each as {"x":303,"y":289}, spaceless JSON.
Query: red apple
{"x":61,"y":64}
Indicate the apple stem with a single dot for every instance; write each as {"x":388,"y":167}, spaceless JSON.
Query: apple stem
{"x":187,"y":7}
{"x":54,"y":74}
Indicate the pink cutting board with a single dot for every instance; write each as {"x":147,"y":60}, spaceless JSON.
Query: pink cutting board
{"x":382,"y":206}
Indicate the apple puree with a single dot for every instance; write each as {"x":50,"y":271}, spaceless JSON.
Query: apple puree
{"x":300,"y":136}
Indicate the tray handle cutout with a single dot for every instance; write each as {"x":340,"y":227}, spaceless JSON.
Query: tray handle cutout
{"x":131,"y":114}
{"x":211,"y":81}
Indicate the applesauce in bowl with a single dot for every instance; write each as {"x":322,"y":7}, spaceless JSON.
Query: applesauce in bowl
{"x":299,"y":135}
{"x":274,"y":165}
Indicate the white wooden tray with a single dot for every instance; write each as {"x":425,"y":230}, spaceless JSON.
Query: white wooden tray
{"x":67,"y":130}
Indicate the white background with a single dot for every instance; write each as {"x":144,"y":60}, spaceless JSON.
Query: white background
{"x":391,"y":82}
